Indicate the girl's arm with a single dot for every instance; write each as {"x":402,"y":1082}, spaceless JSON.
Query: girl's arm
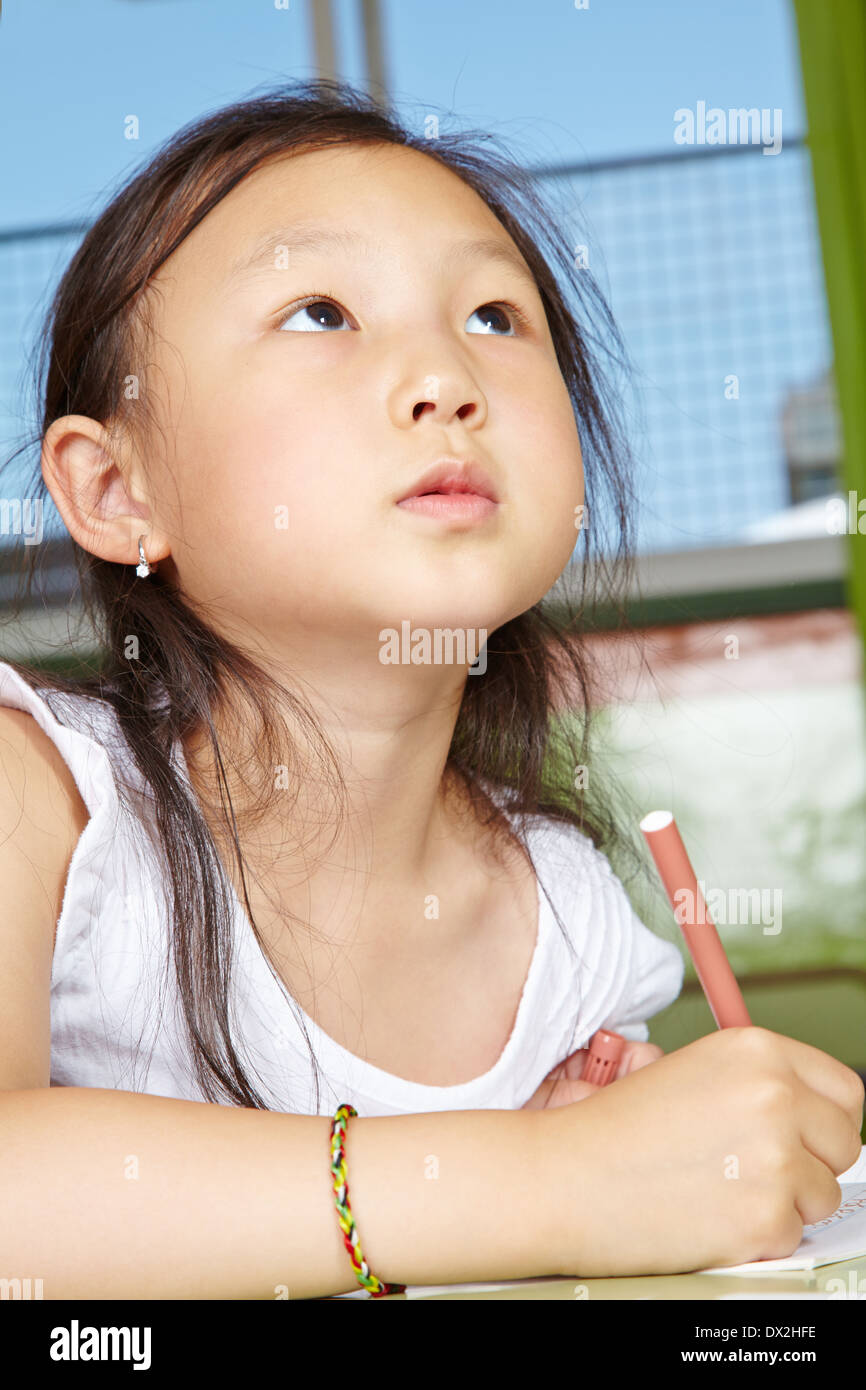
{"x":115,"y":1194}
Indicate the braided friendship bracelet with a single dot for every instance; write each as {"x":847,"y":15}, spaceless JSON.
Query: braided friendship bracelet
{"x":351,"y":1239}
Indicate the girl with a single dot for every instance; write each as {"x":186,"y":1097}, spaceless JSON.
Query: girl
{"x":318,"y":411}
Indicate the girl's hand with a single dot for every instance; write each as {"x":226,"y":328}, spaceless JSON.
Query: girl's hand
{"x":561,"y":1086}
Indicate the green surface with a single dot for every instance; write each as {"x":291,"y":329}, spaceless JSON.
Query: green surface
{"x":709,"y":605}
{"x":827,"y":1013}
{"x":832,"y":37}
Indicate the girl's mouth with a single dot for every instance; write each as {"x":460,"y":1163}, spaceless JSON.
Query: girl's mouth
{"x":456,"y":506}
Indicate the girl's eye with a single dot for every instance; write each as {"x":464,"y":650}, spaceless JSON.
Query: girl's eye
{"x":319,"y":314}
{"x":314,"y":316}
{"x":493,"y":318}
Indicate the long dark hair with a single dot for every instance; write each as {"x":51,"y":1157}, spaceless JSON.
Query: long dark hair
{"x":509,"y":732}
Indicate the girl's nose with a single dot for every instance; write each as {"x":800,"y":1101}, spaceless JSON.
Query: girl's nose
{"x":444,"y":396}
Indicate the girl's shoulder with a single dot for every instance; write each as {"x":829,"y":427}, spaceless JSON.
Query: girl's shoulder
{"x":83,"y":728}
{"x":43,"y":816}
{"x":32,"y":734}
{"x":66,"y":748}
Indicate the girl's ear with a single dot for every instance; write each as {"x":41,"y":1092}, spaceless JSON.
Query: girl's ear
{"x":104,"y":511}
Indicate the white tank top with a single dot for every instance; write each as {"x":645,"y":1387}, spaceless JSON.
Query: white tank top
{"x":112,"y":956}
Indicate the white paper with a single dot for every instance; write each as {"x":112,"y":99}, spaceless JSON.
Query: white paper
{"x":857,"y":1171}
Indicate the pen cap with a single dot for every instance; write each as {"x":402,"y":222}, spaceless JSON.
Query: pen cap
{"x":605,"y":1051}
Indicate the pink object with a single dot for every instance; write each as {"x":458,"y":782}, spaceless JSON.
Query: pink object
{"x":711,"y":964}
{"x":605,"y":1051}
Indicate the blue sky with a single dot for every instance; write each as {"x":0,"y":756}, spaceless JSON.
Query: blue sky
{"x":560,"y":83}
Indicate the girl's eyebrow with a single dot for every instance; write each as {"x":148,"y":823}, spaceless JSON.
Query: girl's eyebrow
{"x":300,"y":239}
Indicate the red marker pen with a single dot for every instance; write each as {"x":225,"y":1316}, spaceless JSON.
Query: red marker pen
{"x":711,"y":964}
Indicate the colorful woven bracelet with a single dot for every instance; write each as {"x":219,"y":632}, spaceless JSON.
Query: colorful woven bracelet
{"x":351,"y":1239}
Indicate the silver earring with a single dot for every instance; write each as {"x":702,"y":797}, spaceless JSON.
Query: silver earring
{"x":143,"y":569}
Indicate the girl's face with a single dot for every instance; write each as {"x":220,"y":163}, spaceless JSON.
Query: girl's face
{"x":293,"y":428}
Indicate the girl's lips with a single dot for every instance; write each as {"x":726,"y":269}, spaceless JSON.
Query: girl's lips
{"x":469,"y":506}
